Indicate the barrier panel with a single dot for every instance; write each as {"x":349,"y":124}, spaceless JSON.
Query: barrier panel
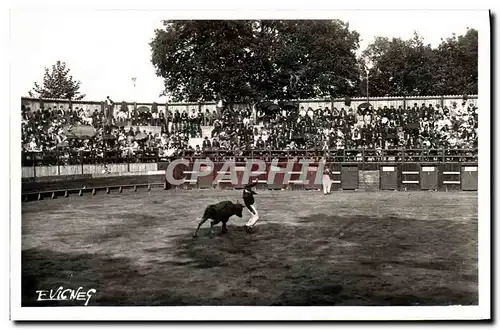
{"x":369,"y":180}
{"x":259,"y":176}
{"x":279,"y":176}
{"x":190,"y":181}
{"x":410,"y":176}
{"x":450,"y":176}
{"x":469,"y":177}
{"x":295,"y":181}
{"x":240,"y":170}
{"x":178,"y":174}
{"x":91,"y":169}
{"x":429,"y":177}
{"x":162,"y":166}
{"x":121,"y":168}
{"x":312,"y":171}
{"x":388,"y":177}
{"x":349,"y":179}
{"x":223,"y":177}
{"x":71,"y":170}
{"x":46,"y":171}
{"x":336,"y":175}
{"x":206,"y":178}
{"x":142,"y":167}
{"x":28,"y":172}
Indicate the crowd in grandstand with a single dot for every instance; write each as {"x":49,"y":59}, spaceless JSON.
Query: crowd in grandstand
{"x":416,"y":127}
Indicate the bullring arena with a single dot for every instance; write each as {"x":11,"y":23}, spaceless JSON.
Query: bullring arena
{"x":400,"y":226}
{"x":397,"y":232}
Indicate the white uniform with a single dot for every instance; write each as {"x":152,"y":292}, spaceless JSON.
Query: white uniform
{"x":327,"y":182}
{"x":250,"y":204}
{"x":255,"y":216}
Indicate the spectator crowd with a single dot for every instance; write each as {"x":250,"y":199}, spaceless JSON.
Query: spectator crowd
{"x":416,"y":127}
{"x":48,"y":131}
{"x":118,"y":137}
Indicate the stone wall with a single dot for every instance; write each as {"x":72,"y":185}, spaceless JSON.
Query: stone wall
{"x":369,"y":180}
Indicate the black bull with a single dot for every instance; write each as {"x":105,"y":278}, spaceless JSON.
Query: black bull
{"x":220,"y":212}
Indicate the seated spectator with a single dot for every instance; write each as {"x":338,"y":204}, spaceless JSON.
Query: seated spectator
{"x":206,"y":144}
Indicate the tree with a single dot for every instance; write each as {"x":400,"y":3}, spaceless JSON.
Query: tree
{"x":400,"y":67}
{"x":250,"y":61}
{"x":57,"y":84}
{"x":309,"y":58}
{"x":456,"y":64}
{"x":409,"y":67}
{"x":204,"y":60}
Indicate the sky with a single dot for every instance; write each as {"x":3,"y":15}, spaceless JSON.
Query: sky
{"x":105,"y":49}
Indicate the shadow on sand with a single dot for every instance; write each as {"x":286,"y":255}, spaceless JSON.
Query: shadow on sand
{"x":356,"y":261}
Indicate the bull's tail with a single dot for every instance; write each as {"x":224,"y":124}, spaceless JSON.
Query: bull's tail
{"x":206,"y":215}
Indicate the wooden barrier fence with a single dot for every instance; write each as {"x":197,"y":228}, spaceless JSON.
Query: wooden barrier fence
{"x":430,"y":176}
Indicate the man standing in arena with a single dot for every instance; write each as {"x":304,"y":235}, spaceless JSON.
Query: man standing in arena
{"x":250,"y":204}
{"x":327,"y":182}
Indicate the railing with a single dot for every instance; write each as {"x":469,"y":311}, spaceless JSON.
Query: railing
{"x":345,"y":155}
{"x":35,"y":103}
{"x":59,"y":157}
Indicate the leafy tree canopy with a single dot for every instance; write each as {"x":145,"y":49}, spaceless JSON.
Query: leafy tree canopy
{"x":57,"y":83}
{"x":253,"y":60}
{"x":409,"y":67}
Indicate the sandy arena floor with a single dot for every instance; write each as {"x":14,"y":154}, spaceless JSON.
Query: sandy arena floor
{"x":348,"y":248}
